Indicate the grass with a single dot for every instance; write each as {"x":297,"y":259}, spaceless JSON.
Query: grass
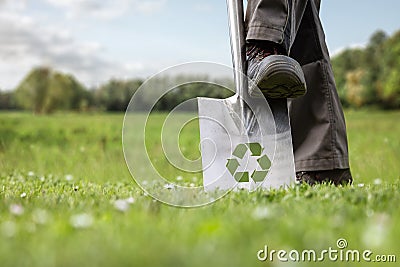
{"x":67,"y":199}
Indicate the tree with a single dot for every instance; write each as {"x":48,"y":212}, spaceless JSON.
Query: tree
{"x":370,"y":76}
{"x":356,"y":92}
{"x":7,"y":100}
{"x":389,"y":91}
{"x":347,"y":61}
{"x":45,"y":91}
{"x":31,"y":93}
{"x":116,"y":94}
{"x":373,"y":69}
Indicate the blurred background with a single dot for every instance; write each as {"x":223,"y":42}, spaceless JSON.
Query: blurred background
{"x":68,"y":69}
{"x":92,"y":55}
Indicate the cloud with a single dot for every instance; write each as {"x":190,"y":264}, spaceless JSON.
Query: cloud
{"x":107,"y":9}
{"x":351,"y":46}
{"x":149,"y":7}
{"x":12,"y":5}
{"x":25,"y":44}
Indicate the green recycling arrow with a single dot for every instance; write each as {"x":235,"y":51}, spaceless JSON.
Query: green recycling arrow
{"x":232,"y":165}
{"x":264,"y":162}
{"x":242,"y":177}
{"x":240,"y":151}
{"x":259,"y":176}
{"x":255,"y":148}
{"x":256,"y":151}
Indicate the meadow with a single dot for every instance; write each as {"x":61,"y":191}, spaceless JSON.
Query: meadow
{"x":68,"y":199}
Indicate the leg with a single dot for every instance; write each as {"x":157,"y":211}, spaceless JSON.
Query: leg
{"x":318,"y":125}
{"x":270,"y":34}
{"x":274,"y":21}
{"x":269,"y":20}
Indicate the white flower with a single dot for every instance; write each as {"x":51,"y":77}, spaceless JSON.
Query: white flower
{"x":31,"y":173}
{"x":376,"y":231}
{"x":192,"y":185}
{"x":261,"y":213}
{"x":130,"y":200}
{"x":81,"y":221}
{"x":16,"y":209}
{"x":121,"y":205}
{"x":377,"y":181}
{"x":179,"y":178}
{"x":23,"y":195}
{"x":69,"y":177}
{"x":361,"y":185}
{"x":169,"y":186}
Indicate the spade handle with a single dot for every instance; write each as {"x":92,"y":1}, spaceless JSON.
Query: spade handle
{"x":238,"y":44}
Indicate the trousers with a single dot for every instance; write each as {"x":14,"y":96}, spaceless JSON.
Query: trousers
{"x":317,"y":119}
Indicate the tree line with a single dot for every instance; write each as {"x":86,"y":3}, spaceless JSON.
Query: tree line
{"x":367,"y":76}
{"x":370,"y":76}
{"x":45,"y":91}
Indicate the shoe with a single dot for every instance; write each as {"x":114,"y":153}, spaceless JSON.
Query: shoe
{"x":336,"y":177}
{"x":276,"y":75}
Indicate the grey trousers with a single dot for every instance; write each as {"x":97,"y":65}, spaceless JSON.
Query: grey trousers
{"x":318,"y":124}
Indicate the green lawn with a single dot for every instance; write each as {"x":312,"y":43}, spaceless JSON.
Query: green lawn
{"x":67,"y":199}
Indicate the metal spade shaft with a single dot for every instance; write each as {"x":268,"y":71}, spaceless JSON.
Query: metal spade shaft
{"x":238,"y":44}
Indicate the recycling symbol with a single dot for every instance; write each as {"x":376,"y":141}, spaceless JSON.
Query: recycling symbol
{"x":263,"y":162}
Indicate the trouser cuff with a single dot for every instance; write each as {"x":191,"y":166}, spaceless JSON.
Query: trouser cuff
{"x":265,"y":34}
{"x":322,"y":164}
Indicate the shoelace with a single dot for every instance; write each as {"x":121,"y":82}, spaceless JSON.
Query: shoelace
{"x":257,"y":52}
{"x":300,"y":175}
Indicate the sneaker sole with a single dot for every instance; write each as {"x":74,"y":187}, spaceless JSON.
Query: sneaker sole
{"x":282,"y":77}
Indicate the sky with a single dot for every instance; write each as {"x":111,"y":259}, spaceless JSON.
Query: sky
{"x":96,"y":40}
